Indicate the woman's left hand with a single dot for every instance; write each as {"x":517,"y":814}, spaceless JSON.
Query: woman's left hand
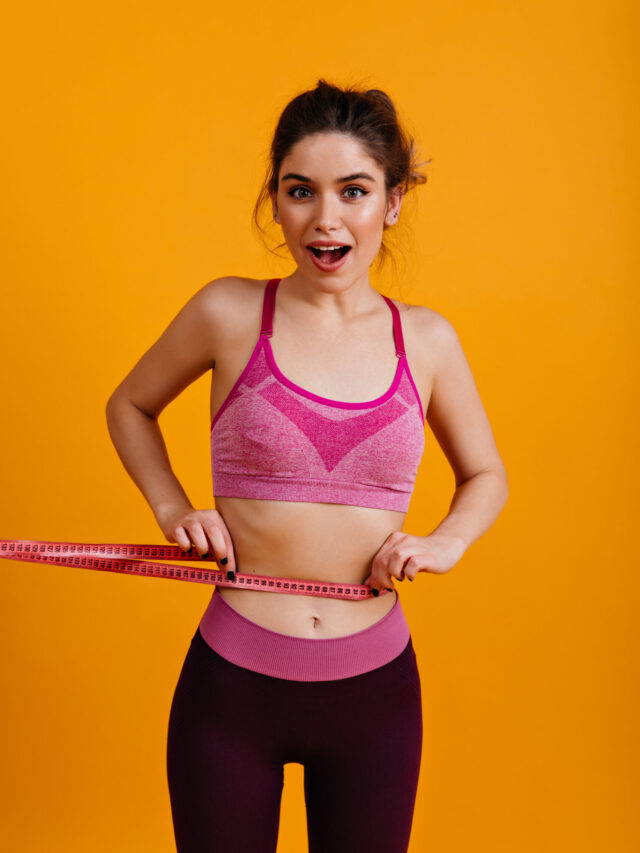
{"x":403,"y":556}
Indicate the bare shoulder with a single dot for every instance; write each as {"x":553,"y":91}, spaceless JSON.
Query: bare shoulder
{"x":232,"y":307}
{"x":230,"y":297}
{"x":429,"y":336}
{"x":212,"y":321}
{"x":420,"y":319}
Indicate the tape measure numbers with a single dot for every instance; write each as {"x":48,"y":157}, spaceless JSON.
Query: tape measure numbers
{"x":129,"y":559}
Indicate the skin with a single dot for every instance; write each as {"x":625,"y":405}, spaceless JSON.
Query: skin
{"x":332,"y":336}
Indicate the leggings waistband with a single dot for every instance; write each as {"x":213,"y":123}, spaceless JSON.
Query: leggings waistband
{"x":245,"y":643}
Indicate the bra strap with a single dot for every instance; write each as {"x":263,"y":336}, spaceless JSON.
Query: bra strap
{"x":397,"y":327}
{"x":268,"y":303}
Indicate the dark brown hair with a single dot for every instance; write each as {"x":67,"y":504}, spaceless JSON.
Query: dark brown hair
{"x":368,"y":116}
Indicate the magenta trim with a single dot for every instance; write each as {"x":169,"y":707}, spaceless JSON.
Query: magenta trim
{"x":268,"y":316}
{"x":299,"y":390}
{"x":268,"y":310}
{"x":397,"y":326}
{"x":415,"y":390}
{"x":245,"y":370}
{"x":268,"y":300}
{"x":248,"y":644}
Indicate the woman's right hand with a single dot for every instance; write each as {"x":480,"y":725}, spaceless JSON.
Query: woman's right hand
{"x":203,"y":528}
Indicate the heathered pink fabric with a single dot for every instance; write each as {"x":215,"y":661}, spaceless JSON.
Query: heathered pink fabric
{"x":247,"y":644}
{"x":273,"y":440}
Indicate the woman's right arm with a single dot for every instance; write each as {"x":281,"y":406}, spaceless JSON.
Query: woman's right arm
{"x":181,"y":355}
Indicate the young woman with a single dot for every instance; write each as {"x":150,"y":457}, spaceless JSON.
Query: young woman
{"x":320,"y":390}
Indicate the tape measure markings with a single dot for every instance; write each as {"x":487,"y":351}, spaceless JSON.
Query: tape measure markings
{"x":110,"y":557}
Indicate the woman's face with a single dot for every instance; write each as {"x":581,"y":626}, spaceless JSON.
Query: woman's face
{"x":330,"y":190}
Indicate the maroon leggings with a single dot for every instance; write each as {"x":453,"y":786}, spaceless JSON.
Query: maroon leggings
{"x":232,"y":729}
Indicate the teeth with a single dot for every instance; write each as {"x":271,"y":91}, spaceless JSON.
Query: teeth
{"x":327,"y":248}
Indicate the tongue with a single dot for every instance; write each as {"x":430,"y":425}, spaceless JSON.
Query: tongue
{"x":328,"y":256}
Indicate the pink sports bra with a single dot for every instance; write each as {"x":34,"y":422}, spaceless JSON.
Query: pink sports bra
{"x":273,"y":440}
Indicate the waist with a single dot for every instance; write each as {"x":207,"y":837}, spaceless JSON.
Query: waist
{"x":319,"y":541}
{"x":246,"y":643}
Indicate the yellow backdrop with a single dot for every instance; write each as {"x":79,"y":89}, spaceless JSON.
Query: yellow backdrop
{"x":132,"y":151}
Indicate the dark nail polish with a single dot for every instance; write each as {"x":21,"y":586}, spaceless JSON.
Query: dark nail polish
{"x":376,"y":592}
{"x":205,"y":555}
{"x":231,"y":575}
{"x":224,"y":561}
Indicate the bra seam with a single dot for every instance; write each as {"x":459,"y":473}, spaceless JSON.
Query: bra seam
{"x":413,"y":385}
{"x":256,"y":349}
{"x":403,"y":354}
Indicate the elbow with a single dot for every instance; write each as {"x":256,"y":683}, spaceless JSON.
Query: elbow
{"x":111,"y":402}
{"x":109,"y":410}
{"x":114,"y":404}
{"x":500,"y":473}
{"x":117,"y":401}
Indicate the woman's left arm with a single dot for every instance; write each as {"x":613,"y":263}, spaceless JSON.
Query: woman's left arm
{"x":460,"y":424}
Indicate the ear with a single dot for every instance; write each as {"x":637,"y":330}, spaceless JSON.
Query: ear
{"x":394,"y":203}
{"x":274,"y":206}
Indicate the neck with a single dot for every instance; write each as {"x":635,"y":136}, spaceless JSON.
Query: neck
{"x":333,"y":298}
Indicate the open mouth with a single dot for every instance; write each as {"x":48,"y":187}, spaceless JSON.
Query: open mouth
{"x":329,"y":256}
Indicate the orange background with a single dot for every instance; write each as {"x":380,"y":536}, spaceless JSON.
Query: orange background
{"x":133,"y":150}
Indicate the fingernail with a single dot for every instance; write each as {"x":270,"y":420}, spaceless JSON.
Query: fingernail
{"x":224,"y":561}
{"x":376,"y":592}
{"x":231,"y":575}
{"x":205,"y":555}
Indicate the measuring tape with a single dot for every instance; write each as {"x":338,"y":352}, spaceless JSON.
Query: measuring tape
{"x":124,"y":558}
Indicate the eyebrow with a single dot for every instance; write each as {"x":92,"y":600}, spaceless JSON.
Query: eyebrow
{"x":356,"y":176}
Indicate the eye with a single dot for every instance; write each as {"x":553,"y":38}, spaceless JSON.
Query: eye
{"x":292,"y":192}
{"x":364,"y":192}
{"x":359,"y":192}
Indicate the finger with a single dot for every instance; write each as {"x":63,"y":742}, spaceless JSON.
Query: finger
{"x":379,"y":584}
{"x":375,"y":591}
{"x":400,"y":559}
{"x":391,"y":543}
{"x":368,"y":581}
{"x":386,"y":564}
{"x":380,"y":579}
{"x":197,"y":535}
{"x":410,"y":569}
{"x":181,"y":536}
{"x":218,"y":543}
{"x":380,"y":558}
{"x":230,"y":555}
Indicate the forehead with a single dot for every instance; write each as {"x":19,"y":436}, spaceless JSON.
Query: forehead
{"x":326,"y":154}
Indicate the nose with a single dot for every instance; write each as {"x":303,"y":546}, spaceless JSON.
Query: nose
{"x":327,"y":213}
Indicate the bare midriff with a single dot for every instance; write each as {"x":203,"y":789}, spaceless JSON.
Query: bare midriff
{"x":314,"y":541}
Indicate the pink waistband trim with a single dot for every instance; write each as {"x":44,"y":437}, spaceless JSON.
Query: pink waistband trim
{"x":247,"y":644}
